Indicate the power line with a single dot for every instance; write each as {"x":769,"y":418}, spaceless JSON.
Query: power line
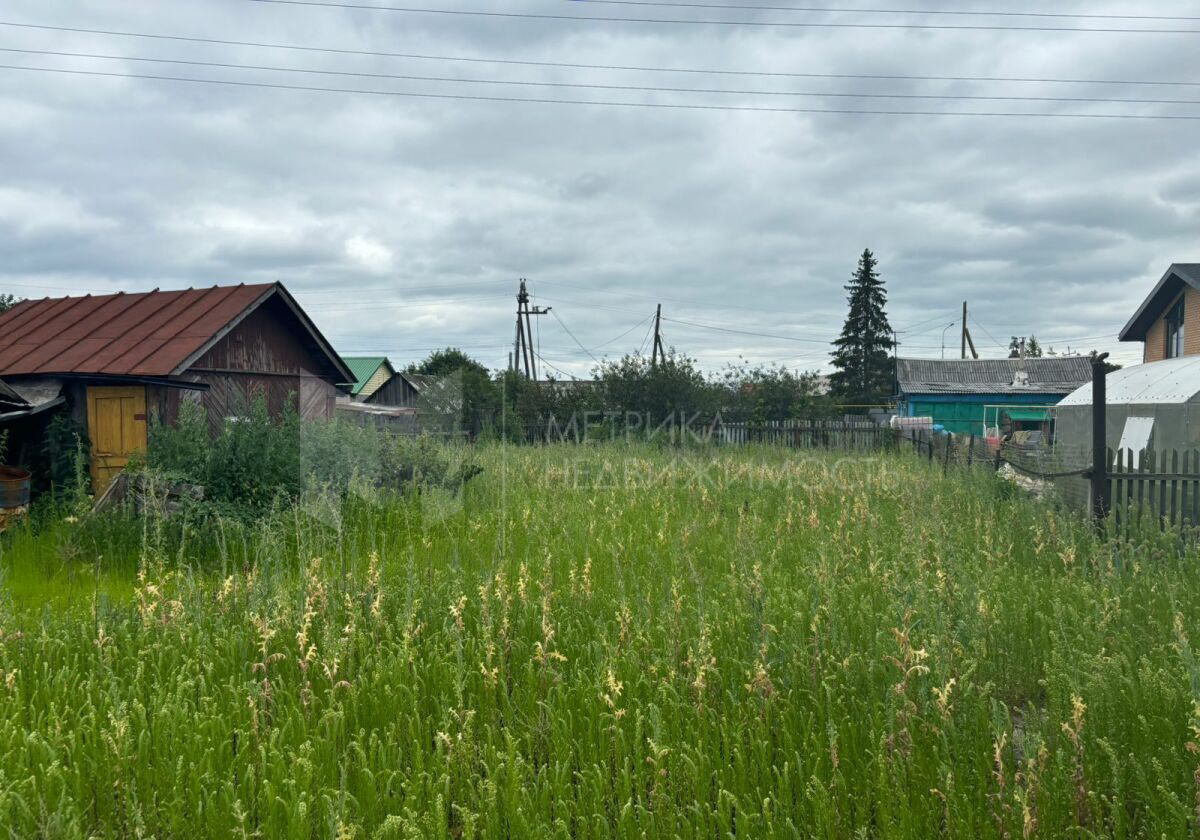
{"x":985,"y":332}
{"x":939,"y":318}
{"x":628,"y":294}
{"x":350,"y":307}
{"x":645,"y":339}
{"x":588,"y":86}
{"x":745,"y":332}
{"x":597,"y":103}
{"x":622,"y":335}
{"x":554,"y":366}
{"x":342,"y":290}
{"x":751,"y":23}
{"x":861,"y":11}
{"x":581,"y":66}
{"x":573,"y":338}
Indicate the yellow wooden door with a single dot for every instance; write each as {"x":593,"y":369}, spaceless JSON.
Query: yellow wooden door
{"x":117,"y":427}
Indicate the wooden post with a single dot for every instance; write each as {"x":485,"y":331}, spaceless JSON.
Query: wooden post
{"x":1101,"y":495}
{"x":971,"y":451}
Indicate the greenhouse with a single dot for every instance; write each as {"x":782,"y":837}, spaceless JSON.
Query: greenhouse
{"x":1152,"y":406}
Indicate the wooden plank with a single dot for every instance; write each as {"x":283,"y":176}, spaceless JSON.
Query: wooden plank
{"x":1120,"y":504}
{"x":1173,"y":509}
{"x":1185,"y":463}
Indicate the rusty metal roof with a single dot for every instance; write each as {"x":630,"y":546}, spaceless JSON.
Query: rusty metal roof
{"x":147,"y":334}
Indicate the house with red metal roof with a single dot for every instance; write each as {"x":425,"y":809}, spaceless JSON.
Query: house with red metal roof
{"x":122,"y":361}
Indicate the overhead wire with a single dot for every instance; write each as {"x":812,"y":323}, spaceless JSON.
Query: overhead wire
{"x":732,"y":23}
{"x":590,"y":86}
{"x":553,"y":366}
{"x":573,"y":338}
{"x":599,"y":103}
{"x":584,"y":66}
{"x":622,"y":335}
{"x":985,"y":331}
{"x":717,"y":328}
{"x":877,"y":11}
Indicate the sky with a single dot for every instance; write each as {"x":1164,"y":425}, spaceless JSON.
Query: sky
{"x":402,"y":211}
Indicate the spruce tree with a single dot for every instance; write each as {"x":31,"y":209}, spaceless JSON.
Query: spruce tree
{"x":865,"y":373}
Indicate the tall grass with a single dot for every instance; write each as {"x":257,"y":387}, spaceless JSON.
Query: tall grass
{"x":611,"y":642}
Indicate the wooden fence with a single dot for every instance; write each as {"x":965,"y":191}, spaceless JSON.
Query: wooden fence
{"x":1161,"y":487}
{"x":844,"y":435}
{"x":951,"y":450}
{"x":1164,"y":485}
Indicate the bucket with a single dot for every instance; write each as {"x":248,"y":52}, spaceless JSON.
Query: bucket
{"x":14,"y":487}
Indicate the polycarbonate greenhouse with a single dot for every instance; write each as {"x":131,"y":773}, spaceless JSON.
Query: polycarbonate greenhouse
{"x":1152,"y":406}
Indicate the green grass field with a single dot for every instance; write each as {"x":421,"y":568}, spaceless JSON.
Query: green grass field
{"x":606,"y":642}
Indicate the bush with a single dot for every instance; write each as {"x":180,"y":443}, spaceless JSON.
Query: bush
{"x":252,"y":461}
{"x":256,"y":461}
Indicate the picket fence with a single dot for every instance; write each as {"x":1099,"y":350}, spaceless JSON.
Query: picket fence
{"x":842,"y":435}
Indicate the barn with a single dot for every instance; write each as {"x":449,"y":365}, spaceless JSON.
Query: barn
{"x":122,"y":361}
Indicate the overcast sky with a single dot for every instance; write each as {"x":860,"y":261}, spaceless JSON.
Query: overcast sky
{"x":402,"y":223}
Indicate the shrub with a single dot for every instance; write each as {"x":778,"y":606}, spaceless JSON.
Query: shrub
{"x":255,"y":460}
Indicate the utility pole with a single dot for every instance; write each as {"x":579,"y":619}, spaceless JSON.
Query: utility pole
{"x":964,"y":331}
{"x":523,"y":349}
{"x":657,"y":353}
{"x":967,"y":341}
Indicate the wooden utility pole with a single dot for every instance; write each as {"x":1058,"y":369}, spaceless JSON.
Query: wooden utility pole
{"x":657,"y":353}
{"x":967,"y":341}
{"x":964,"y":330}
{"x":523,"y":348}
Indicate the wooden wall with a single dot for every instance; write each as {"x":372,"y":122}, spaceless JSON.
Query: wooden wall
{"x":262,"y":356}
{"x":397,"y":391}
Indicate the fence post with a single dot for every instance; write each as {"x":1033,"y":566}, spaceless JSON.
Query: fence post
{"x":1101,"y":490}
{"x":971,"y":451}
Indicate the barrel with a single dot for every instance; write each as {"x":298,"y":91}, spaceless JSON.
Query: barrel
{"x":14,"y":487}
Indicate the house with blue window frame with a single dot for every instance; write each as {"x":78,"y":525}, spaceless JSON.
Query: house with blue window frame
{"x":967,"y":396}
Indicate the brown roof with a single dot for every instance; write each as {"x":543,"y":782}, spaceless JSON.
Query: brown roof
{"x":147,"y":334}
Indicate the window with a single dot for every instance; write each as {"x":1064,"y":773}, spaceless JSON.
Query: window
{"x":1175,"y":331}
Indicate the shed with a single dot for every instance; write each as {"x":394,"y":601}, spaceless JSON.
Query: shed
{"x":411,"y":390}
{"x":124,"y":360}
{"x":967,"y":396}
{"x":370,"y":374}
{"x":1150,"y":406}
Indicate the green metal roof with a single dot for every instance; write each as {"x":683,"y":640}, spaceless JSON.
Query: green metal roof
{"x":1028,"y":415}
{"x":363,"y":368}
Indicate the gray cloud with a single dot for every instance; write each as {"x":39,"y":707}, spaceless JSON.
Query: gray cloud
{"x":403,"y":223}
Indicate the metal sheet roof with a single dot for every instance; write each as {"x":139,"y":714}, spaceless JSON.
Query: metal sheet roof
{"x":363,"y":368}
{"x":150,"y":334}
{"x":1173,"y":381}
{"x":1050,"y":375}
{"x":420,"y":381}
